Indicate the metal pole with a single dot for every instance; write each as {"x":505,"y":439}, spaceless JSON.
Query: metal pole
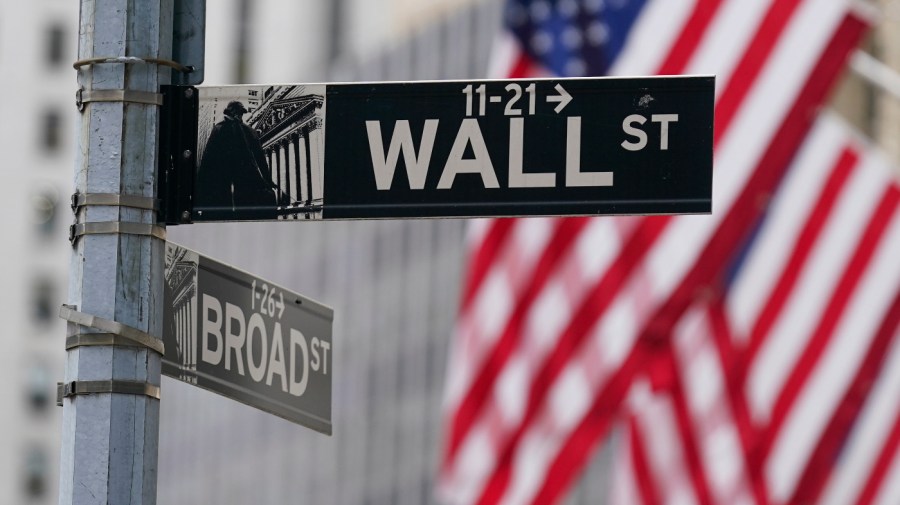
{"x":876,"y":72}
{"x":110,"y":417}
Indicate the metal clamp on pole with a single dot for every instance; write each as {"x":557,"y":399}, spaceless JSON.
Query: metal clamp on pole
{"x":116,"y":95}
{"x":113,"y":200}
{"x":115,"y":227}
{"x":98,"y":339}
{"x":133,"y":59}
{"x":74,"y":388}
{"x":139,"y":337}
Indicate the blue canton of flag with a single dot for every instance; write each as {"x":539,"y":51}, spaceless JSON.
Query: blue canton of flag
{"x":572,"y":38}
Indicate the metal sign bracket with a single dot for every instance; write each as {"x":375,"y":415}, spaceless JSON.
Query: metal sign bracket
{"x":177,"y":153}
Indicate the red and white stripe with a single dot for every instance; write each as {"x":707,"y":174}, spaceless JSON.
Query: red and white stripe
{"x":809,"y":341}
{"x":528,"y":400}
{"x":831,"y":291}
{"x":682,"y":444}
{"x":869,"y":468}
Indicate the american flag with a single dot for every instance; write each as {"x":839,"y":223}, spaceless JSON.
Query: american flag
{"x":782,"y":386}
{"x":568,"y":326}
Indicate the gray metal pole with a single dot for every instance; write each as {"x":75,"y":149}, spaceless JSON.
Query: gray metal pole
{"x":110,"y":439}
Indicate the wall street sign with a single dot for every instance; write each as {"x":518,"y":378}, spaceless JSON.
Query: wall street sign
{"x":588,"y":146}
{"x":248,"y":339}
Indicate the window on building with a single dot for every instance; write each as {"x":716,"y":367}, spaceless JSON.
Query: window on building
{"x":36,"y":472}
{"x":42,"y":301}
{"x":44,"y":205}
{"x":38,"y":388}
{"x":55,"y":45}
{"x":51,"y":131}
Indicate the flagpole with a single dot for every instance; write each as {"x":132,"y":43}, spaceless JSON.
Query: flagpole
{"x":876,"y":72}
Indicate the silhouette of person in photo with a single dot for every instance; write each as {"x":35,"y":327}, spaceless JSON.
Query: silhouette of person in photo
{"x":233,"y":173}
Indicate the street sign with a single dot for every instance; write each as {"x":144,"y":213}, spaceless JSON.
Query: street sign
{"x":534,"y":147}
{"x":189,"y":40}
{"x":248,"y":339}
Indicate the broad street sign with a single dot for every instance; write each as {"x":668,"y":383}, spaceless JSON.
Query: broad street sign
{"x":248,"y":339}
{"x":535,"y":147}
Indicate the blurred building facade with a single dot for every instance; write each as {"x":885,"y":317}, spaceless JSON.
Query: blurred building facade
{"x":37,"y":48}
{"x":394,"y":285}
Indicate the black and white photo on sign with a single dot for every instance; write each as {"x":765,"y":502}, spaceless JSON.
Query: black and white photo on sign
{"x":261,"y":151}
{"x":181,"y":321}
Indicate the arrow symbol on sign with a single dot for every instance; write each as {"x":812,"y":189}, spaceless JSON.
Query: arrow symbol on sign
{"x":563,"y":98}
